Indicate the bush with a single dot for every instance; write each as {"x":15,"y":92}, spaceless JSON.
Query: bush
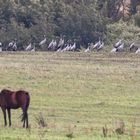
{"x":137,"y":19}
{"x":122,"y":30}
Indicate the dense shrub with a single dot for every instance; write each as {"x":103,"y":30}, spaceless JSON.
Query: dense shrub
{"x":123,"y":30}
{"x":137,"y":19}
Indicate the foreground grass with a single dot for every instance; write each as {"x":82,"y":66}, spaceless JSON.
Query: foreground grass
{"x":76,"y":93}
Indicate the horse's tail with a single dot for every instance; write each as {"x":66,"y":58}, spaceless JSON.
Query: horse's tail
{"x":22,"y":117}
{"x":27,"y":100}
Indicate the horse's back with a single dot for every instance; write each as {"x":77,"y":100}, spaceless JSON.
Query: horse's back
{"x":15,"y":99}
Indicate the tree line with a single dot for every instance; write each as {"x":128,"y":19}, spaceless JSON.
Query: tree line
{"x":83,"y":20}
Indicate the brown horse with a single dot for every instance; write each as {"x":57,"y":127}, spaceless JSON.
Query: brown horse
{"x":14,"y":100}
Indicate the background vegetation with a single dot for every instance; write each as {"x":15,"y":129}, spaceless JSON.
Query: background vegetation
{"x":84,"y":20}
{"x":77,"y":95}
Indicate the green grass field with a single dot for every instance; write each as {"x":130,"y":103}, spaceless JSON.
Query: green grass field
{"x":76,"y":93}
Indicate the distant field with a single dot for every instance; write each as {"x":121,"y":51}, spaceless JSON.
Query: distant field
{"x":77,"y":94}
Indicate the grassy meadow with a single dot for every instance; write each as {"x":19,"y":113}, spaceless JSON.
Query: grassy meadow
{"x":77,"y":94}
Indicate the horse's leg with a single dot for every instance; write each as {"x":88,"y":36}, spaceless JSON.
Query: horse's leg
{"x":24,"y":122}
{"x":4,"y":114}
{"x":9,"y":116}
{"x":27,"y":120}
{"x":23,"y":117}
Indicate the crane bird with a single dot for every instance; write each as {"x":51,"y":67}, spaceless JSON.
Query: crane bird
{"x":10,"y":45}
{"x":33,"y":49}
{"x":51,"y":44}
{"x":0,"y":47}
{"x":114,"y":50}
{"x":14,"y":47}
{"x":133,"y":47}
{"x":88,"y":49}
{"x":29,"y":47}
{"x":69,"y":47}
{"x":120,"y":48}
{"x":43,"y":41}
{"x":118,"y":44}
{"x":101,"y":46}
{"x":96,"y":45}
{"x":73,"y":47}
{"x":66,"y":48}
{"x":54,"y":45}
{"x":61,"y":43}
{"x":137,"y":51}
{"x":0,"y":44}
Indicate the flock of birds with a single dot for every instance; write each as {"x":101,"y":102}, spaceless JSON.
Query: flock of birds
{"x":97,"y":46}
{"x":62,"y":46}
{"x":54,"y":45}
{"x":117,"y":47}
